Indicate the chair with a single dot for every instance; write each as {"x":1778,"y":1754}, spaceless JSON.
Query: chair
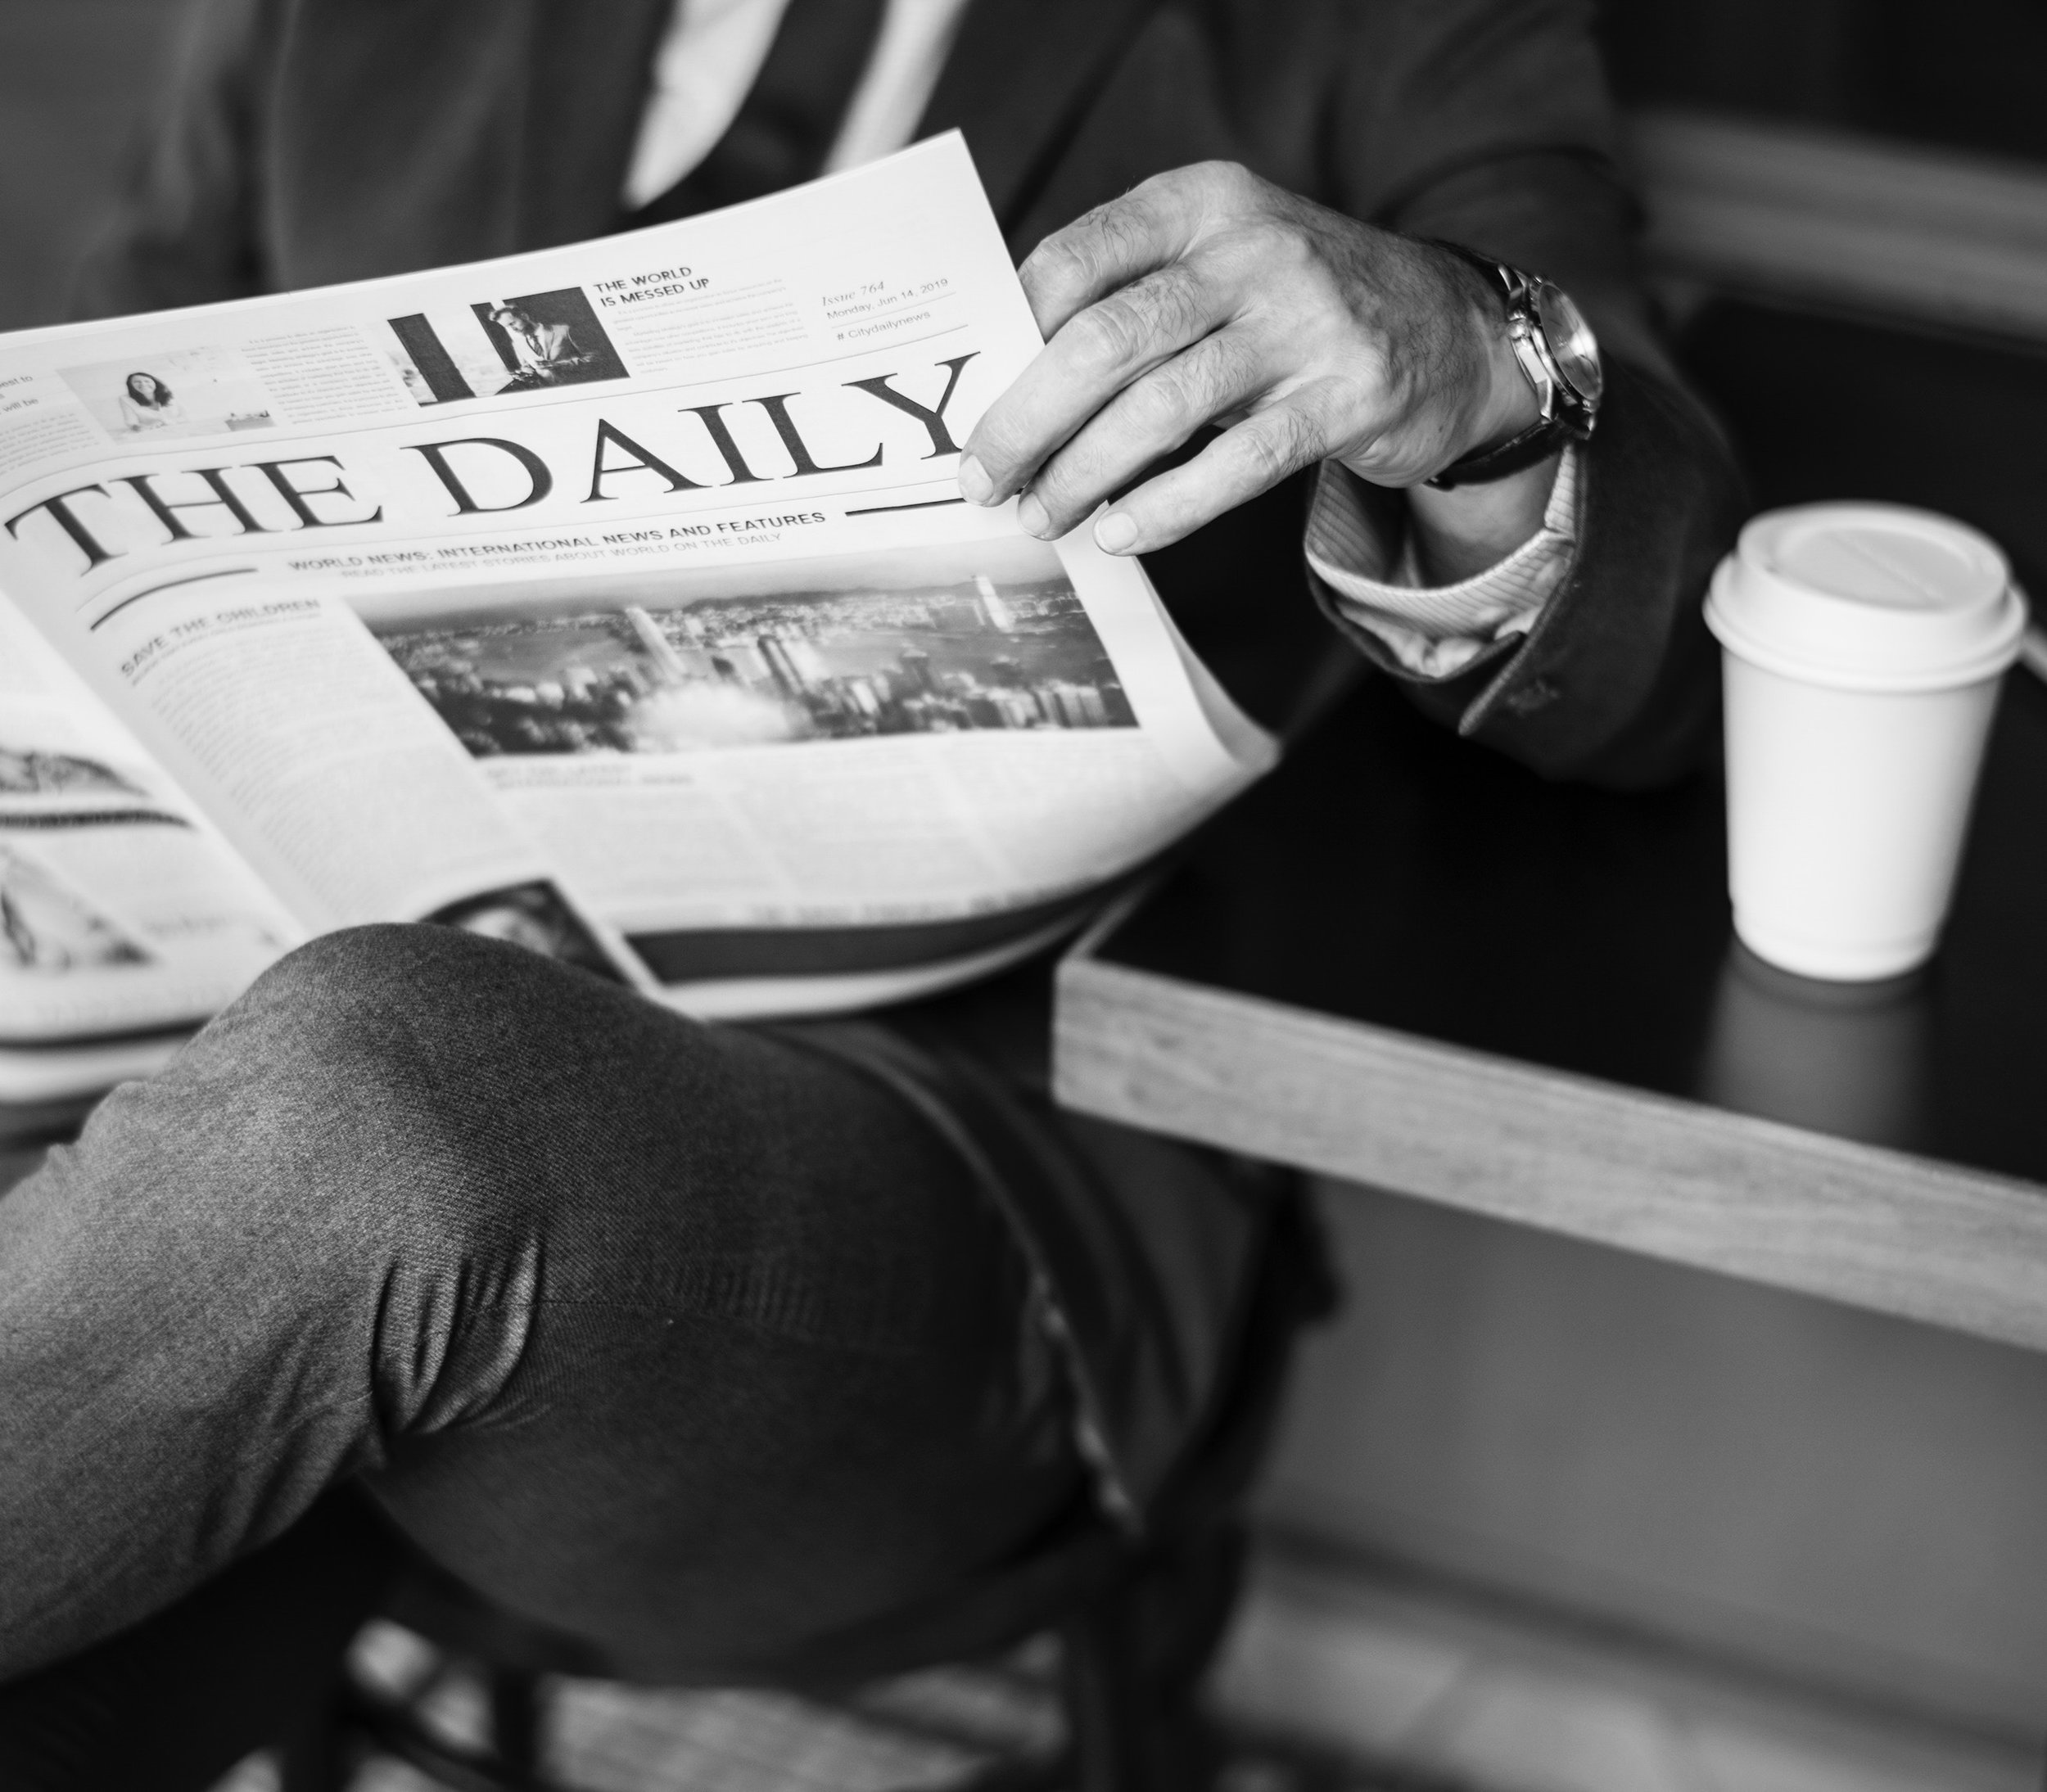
{"x":1137,"y":1617}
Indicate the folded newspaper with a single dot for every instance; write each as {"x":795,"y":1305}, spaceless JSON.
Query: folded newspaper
{"x":617,"y":599}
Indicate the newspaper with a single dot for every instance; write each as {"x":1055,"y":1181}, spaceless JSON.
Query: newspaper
{"x":617,"y":598}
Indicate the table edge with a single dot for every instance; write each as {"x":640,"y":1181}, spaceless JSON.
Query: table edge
{"x":1756,"y":1199}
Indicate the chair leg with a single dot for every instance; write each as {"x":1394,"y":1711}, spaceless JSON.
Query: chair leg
{"x":1101,"y":1701}
{"x":1133,"y":1666}
{"x":515,"y":1723}
{"x":316,"y":1758}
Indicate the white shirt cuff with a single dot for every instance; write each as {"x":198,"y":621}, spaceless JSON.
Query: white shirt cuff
{"x":1435,"y":631}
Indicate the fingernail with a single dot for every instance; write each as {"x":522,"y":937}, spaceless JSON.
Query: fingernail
{"x":1036,"y":520}
{"x":975,"y":485}
{"x":1115,"y":532}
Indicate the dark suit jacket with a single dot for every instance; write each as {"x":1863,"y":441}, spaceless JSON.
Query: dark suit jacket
{"x":312,"y":141}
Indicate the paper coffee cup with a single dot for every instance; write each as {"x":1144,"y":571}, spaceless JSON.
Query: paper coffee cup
{"x":1863,"y":648}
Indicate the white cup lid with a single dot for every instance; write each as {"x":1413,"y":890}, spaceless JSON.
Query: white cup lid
{"x":1871,"y":596}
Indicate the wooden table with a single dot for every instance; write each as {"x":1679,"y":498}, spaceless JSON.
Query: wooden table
{"x":1404,"y":962}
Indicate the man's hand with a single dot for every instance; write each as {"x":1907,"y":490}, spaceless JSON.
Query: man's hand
{"x":1209,"y":296}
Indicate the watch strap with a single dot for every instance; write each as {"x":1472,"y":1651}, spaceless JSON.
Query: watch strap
{"x":1507,"y":279}
{"x":1539,"y":441}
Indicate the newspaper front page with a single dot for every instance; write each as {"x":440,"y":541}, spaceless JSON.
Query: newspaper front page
{"x":619,"y":598}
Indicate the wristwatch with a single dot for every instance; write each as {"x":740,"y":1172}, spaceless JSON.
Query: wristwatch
{"x":1556,"y":350}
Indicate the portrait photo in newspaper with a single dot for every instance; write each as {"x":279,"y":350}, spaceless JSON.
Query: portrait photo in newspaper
{"x":173,"y":393}
{"x":527,"y":342}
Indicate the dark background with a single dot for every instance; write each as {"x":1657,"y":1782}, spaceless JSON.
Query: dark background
{"x":75,"y":77}
{"x":1968,"y":73}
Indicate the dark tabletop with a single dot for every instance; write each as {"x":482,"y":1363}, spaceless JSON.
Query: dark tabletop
{"x":1393,"y":874}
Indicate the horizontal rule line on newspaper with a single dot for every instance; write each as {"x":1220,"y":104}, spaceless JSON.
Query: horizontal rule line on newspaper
{"x":921,"y":504}
{"x":168,"y":584}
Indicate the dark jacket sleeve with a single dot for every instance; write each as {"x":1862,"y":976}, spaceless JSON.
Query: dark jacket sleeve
{"x":1487,"y":123}
{"x":184,"y":226}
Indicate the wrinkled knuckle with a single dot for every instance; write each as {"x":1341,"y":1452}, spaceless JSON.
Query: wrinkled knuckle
{"x":1267,"y":455}
{"x":1059,"y":486}
{"x":1180,"y":299}
{"x":1199,"y":383}
{"x":1230,"y":182}
{"x":1289,"y":441}
{"x":1309,"y":433}
{"x":1298,"y":256}
{"x":1235,"y":363}
{"x":1056,"y":266}
{"x":1105,"y":336}
{"x":1130,"y":232}
{"x":1170,"y":403}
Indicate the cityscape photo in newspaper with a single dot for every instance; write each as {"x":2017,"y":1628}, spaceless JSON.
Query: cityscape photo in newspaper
{"x":922,"y":640}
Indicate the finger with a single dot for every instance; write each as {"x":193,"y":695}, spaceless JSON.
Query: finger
{"x":1154,"y":415}
{"x":1098,"y":352}
{"x":1237,"y":466}
{"x":1110,"y":247}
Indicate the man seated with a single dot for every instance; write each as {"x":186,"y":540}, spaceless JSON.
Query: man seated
{"x":548,"y":353}
{"x":697,"y":1343}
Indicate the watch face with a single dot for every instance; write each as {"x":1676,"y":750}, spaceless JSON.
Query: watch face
{"x":1571,"y":343}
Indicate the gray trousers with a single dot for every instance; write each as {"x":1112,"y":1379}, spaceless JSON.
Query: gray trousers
{"x":694,"y":1341}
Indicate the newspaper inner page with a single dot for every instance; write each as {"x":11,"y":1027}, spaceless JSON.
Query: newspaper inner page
{"x":122,"y":914}
{"x":621,"y":595}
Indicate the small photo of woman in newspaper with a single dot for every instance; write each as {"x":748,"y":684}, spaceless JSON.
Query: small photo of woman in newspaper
{"x":209,"y":390}
{"x":147,"y":403}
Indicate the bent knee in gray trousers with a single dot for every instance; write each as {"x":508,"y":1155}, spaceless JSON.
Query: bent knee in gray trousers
{"x":692,"y":1341}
